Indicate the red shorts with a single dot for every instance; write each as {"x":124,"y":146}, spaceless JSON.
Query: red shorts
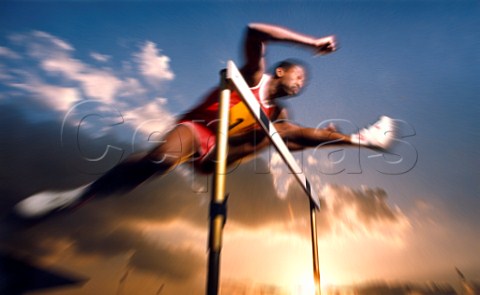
{"x":204,"y":136}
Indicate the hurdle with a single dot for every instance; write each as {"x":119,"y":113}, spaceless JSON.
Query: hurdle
{"x":231,"y":79}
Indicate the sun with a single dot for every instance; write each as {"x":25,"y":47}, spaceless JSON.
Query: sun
{"x":304,"y":284}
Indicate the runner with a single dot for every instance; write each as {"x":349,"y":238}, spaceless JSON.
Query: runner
{"x":193,"y":138}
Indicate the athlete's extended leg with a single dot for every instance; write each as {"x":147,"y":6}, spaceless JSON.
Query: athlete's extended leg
{"x":178,"y":145}
{"x":380,"y":135}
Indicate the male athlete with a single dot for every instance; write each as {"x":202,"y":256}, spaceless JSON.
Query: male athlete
{"x":193,"y":138}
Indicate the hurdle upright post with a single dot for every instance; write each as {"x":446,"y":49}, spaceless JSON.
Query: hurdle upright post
{"x":218,"y":201}
{"x":316,"y":264}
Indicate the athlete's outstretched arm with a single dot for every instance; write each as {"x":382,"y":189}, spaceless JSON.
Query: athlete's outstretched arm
{"x":259,"y":34}
{"x":379,"y":135}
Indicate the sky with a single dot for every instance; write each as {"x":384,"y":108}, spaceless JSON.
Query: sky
{"x":83,"y":84}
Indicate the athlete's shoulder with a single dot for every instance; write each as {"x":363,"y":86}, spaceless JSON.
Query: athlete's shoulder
{"x":264,"y":80}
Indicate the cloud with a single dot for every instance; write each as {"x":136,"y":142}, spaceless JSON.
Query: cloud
{"x":281,"y":178}
{"x":4,"y":74}
{"x":131,"y":87}
{"x":113,"y":236}
{"x":55,"y":79}
{"x":152,"y":121}
{"x":345,"y":211}
{"x":8,"y":53}
{"x":113,"y":227}
{"x":54,"y":57}
{"x":364,"y":211}
{"x":59,"y":43}
{"x":56,"y":97}
{"x":97,"y":84}
{"x":153,"y":65}
{"x":367,"y":205}
{"x":100,"y":57}
{"x":173,"y":263}
{"x":40,"y":44}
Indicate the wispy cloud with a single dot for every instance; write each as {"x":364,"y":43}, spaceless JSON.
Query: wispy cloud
{"x":8,"y":53}
{"x":152,"y":64}
{"x":97,"y":84}
{"x":4,"y":73}
{"x":100,"y":57}
{"x":59,"y":43}
{"x":56,"y":97}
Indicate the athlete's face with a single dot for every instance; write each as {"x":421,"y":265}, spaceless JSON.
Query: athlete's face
{"x":291,"y":80}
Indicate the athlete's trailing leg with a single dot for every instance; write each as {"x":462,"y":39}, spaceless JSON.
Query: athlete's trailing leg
{"x":178,"y":146}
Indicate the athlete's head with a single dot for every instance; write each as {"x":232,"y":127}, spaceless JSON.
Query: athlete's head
{"x":291,"y":75}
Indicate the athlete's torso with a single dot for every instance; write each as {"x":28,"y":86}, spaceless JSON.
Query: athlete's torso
{"x":241,"y":119}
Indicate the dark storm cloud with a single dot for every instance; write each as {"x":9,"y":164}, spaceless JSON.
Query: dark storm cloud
{"x":172,"y":263}
{"x":32,"y":156}
{"x":98,"y":231}
{"x":34,"y":160}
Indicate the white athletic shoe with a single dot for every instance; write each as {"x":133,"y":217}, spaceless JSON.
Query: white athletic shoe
{"x":379,"y":135}
{"x":46,"y":202}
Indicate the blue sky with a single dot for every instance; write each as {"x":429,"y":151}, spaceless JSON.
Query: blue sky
{"x":417,"y":62}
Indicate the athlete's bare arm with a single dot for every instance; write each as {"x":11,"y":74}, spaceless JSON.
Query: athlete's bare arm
{"x":257,"y":37}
